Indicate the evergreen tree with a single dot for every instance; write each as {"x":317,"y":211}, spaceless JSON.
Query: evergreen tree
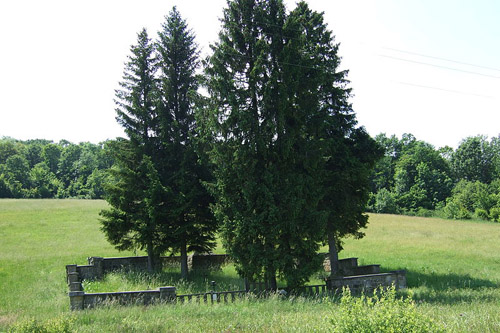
{"x":266,"y":156}
{"x":169,"y":207}
{"x":134,"y":218}
{"x":348,"y":153}
{"x":180,"y":168}
{"x":284,"y":132}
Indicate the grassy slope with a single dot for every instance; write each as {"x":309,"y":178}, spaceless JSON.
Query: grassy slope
{"x":453,"y":270}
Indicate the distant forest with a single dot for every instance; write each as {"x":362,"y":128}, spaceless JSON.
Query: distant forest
{"x":413,"y":177}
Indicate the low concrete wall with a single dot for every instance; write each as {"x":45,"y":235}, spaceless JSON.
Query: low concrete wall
{"x":80,"y":300}
{"x":368,"y":283}
{"x":349,"y":266}
{"x":97,"y":266}
{"x":357,"y":278}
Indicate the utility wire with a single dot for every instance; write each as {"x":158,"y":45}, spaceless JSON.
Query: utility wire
{"x":438,"y":66}
{"x":442,"y":89}
{"x":439,"y":58}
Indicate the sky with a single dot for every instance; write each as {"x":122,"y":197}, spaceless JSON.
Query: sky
{"x":429,"y":67}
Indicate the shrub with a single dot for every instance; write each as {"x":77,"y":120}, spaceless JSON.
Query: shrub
{"x":495,"y":214}
{"x":385,"y":202}
{"x":382,"y":312}
{"x":455,"y":210}
{"x":482,"y":214}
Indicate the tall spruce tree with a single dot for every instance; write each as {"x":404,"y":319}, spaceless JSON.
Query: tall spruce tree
{"x":349,"y":153}
{"x":284,"y":133}
{"x":136,"y":217}
{"x":180,"y":168}
{"x":266,"y":155}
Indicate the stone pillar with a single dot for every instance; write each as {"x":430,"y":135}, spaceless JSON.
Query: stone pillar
{"x":75,"y":286}
{"x":401,"y":279}
{"x":71,"y":270}
{"x":76,"y":300}
{"x":168,"y":294}
{"x":73,"y":277}
{"x":98,"y":263}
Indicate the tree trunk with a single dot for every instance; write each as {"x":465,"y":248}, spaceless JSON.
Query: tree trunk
{"x":273,"y":284}
{"x":184,"y":261}
{"x":270,"y":278}
{"x":332,"y":251}
{"x":151,"y":258}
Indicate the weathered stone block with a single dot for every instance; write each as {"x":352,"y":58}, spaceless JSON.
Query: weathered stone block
{"x":75,"y":286}
{"x":76,"y":300}
{"x":168,"y":294}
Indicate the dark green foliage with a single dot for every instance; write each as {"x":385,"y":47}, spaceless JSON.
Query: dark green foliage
{"x":264,"y":161}
{"x":412,"y":173}
{"x":135,"y":220}
{"x":137,"y":217}
{"x":180,"y":167}
{"x":51,"y":153}
{"x":283,"y":133}
{"x":422,"y":178}
{"x":158,"y":201}
{"x":460,"y":184}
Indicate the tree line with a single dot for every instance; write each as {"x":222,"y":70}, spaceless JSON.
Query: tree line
{"x":44,"y":169}
{"x":415,"y":178}
{"x":411,"y":178}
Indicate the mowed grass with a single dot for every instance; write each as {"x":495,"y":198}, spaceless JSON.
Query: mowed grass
{"x":453,"y":271}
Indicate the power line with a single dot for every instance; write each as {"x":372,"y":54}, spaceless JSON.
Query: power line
{"x":439,"y":58}
{"x":442,"y":89}
{"x":438,"y":66}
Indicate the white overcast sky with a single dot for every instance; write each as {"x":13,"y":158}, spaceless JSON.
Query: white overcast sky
{"x":426,"y":67}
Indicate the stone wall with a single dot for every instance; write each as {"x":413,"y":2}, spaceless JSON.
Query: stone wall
{"x":97,"y":266}
{"x":349,"y":267}
{"x":357,"y":278}
{"x":368,"y":283}
{"x":80,"y":300}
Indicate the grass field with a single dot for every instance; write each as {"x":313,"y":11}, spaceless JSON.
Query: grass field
{"x":453,"y":271}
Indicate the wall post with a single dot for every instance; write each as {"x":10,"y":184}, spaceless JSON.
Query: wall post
{"x":76,"y":300}
{"x":168,"y":294}
{"x":98,"y":263}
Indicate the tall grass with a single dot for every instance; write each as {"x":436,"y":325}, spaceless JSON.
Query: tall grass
{"x":453,"y":271}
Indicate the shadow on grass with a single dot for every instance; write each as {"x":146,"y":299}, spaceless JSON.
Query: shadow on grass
{"x":451,"y":288}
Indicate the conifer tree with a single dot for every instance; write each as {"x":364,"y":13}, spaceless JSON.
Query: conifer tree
{"x":264,"y":156}
{"x":181,"y":169}
{"x":283,"y":132}
{"x":133,"y":221}
{"x":159,"y":181}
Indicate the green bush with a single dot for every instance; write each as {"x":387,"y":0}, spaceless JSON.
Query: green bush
{"x":385,"y":202}
{"x":382,"y":312}
{"x":495,"y":214}
{"x":482,"y":214}
{"x":455,"y":210}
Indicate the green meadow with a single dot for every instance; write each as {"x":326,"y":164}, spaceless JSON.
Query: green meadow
{"x":453,"y":274}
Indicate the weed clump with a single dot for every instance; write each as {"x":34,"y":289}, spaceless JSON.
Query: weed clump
{"x":382,"y":312}
{"x":55,"y":325}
